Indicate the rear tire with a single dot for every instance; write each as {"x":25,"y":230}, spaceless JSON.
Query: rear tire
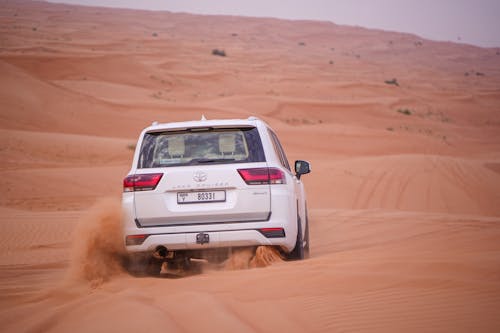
{"x":298,"y":252}
{"x":154,"y":267}
{"x":306,"y":238}
{"x":143,"y":265}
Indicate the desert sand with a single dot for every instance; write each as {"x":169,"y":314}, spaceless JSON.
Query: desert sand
{"x":404,"y":197}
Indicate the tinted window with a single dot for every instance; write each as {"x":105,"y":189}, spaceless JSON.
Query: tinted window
{"x":279,"y":150}
{"x":208,"y":146}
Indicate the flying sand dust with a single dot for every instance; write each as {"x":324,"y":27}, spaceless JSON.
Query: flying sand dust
{"x":248,"y":258}
{"x":99,"y":254}
{"x":98,"y":251}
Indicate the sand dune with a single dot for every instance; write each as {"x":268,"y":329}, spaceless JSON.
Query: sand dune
{"x":404,"y":198}
{"x":378,"y":270}
{"x":427,"y":183}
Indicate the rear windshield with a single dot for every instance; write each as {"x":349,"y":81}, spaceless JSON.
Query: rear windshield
{"x":201,"y":146}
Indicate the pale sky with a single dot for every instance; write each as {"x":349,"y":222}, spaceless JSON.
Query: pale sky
{"x":468,"y":21}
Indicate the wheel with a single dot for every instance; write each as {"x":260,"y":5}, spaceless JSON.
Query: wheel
{"x":141,"y":265}
{"x":298,"y":252}
{"x":153,"y":267}
{"x":306,"y":238}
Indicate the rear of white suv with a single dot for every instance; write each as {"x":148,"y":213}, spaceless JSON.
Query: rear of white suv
{"x":199,"y":188}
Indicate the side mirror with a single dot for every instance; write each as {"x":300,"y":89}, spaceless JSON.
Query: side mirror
{"x":301,"y":168}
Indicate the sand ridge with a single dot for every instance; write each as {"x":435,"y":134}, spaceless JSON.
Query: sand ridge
{"x":404,"y":197}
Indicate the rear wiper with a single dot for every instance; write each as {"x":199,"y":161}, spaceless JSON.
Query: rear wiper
{"x":211,"y":160}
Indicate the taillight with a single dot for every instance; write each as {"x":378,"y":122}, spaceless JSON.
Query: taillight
{"x":260,"y":176}
{"x":141,"y":182}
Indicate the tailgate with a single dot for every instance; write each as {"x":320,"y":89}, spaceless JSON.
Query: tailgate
{"x":197,"y":195}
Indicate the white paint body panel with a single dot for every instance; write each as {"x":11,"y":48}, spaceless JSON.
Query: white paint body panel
{"x":234,"y":222}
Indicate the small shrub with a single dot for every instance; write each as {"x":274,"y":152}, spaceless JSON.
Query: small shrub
{"x":406,"y":112}
{"x":34,"y":28}
{"x":479,"y":74}
{"x":220,"y":53}
{"x":154,"y":34}
{"x":393,"y":82}
{"x":302,"y":44}
{"x":331,"y":62}
{"x":131,"y":146}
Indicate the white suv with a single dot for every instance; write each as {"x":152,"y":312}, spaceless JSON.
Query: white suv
{"x":198,"y":189}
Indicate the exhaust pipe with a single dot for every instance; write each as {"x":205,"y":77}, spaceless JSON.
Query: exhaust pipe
{"x":160,"y":253}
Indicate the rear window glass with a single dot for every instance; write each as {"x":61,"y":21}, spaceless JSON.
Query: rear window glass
{"x":206,"y":146}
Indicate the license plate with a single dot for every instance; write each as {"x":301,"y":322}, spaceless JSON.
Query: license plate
{"x":200,"y":197}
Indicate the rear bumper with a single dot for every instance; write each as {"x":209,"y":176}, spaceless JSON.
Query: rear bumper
{"x":221,"y":235}
{"x":217,"y":239}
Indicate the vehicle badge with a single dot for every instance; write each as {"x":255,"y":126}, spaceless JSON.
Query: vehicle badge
{"x":200,"y":176}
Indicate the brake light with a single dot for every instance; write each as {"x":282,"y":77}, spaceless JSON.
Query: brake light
{"x":261,"y":176}
{"x":141,"y":182}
